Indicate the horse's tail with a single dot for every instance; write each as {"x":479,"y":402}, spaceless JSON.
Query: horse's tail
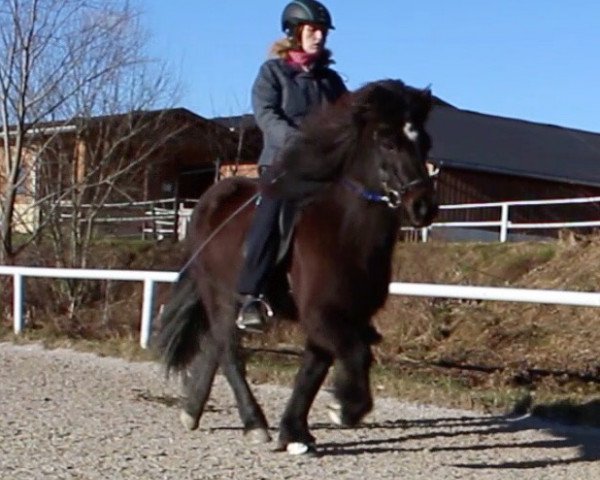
{"x":182,"y":322}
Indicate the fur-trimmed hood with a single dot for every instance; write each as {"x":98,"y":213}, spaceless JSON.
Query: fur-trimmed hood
{"x":280,"y":49}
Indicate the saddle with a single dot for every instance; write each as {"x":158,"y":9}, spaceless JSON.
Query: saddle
{"x":287,"y":222}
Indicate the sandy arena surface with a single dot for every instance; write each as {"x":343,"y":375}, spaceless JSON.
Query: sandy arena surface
{"x":70,"y":415}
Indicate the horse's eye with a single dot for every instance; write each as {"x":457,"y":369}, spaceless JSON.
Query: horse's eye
{"x":387,"y":143}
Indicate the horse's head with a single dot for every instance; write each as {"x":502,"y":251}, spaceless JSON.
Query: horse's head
{"x":390,"y":118}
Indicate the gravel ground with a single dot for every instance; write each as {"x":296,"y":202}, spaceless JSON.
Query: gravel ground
{"x":68,"y":415}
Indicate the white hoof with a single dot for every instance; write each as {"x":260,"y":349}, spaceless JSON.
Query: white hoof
{"x":189,"y":422}
{"x":334,"y":410}
{"x":297,"y":448}
{"x":257,"y":436}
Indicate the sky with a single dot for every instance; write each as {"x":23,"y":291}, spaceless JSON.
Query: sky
{"x":536,"y":60}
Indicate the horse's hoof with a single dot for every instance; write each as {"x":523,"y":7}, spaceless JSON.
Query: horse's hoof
{"x":299,"y":448}
{"x":257,"y":435}
{"x":334,"y":410}
{"x":189,"y":422}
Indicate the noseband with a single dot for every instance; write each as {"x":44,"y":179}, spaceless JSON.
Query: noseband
{"x":390,"y":196}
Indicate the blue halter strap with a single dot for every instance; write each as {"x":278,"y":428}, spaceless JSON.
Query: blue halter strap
{"x":391,"y":198}
{"x":364,"y":193}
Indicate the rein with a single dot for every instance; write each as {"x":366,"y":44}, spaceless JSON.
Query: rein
{"x":392,"y":198}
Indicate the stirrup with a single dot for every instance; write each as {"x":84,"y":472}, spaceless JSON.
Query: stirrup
{"x":263,"y":312}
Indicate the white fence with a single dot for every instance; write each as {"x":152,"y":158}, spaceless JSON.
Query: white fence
{"x":149,"y":277}
{"x":153,"y":218}
{"x":505,"y":225}
{"x":158,"y":217}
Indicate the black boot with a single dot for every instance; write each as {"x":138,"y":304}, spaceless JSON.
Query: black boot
{"x":253,"y":314}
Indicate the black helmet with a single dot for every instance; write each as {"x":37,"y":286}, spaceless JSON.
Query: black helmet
{"x":305,"y":11}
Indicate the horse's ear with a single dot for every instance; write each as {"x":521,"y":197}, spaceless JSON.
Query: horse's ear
{"x":423,"y":104}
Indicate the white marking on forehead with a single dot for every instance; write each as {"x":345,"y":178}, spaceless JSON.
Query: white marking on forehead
{"x":410,"y":132}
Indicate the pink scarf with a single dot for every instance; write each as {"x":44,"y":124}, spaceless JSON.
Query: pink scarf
{"x":301,"y":58}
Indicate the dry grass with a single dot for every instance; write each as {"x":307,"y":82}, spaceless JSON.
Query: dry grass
{"x":419,"y":334}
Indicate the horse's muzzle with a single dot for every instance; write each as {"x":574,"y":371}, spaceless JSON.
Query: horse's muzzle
{"x":422,"y":209}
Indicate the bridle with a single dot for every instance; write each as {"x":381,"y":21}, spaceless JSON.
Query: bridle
{"x":390,"y":196}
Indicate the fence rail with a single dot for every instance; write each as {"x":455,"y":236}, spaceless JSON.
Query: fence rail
{"x":505,"y":225}
{"x":158,"y":217}
{"x":150,"y":277}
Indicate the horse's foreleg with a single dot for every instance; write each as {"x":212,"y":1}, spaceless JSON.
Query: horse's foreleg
{"x":252,"y":416}
{"x":197,"y":382}
{"x":294,"y":434}
{"x":352,"y":386}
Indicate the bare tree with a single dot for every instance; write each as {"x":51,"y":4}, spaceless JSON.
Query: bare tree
{"x":81,"y":116}
{"x":80,"y":112}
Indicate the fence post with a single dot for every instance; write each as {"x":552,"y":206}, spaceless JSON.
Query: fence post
{"x":504,"y":223}
{"x":18,"y":319}
{"x":148,"y":302}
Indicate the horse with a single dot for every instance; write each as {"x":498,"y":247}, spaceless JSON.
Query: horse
{"x":367,"y":154}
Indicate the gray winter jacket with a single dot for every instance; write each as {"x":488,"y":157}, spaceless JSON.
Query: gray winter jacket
{"x":282,"y":95}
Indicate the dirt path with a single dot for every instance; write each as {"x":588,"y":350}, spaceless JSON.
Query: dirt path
{"x":68,"y":415}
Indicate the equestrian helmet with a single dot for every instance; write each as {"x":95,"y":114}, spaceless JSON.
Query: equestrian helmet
{"x":305,"y":11}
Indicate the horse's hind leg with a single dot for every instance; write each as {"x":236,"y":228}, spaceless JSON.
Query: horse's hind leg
{"x":293,"y":429}
{"x":197,"y":382}
{"x":252,"y":416}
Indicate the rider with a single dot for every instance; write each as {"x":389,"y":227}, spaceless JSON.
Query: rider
{"x":297,"y":80}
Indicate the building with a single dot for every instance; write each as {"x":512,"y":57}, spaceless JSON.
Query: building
{"x":178,"y":154}
{"x":142,"y":156}
{"x":485,"y":158}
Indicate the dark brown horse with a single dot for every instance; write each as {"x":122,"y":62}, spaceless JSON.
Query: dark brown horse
{"x":367,"y":156}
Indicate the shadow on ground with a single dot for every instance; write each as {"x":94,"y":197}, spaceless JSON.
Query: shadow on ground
{"x":401,"y":436}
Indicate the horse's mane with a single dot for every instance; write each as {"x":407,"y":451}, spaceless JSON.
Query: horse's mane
{"x":338,"y":129}
{"x":331,"y":139}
